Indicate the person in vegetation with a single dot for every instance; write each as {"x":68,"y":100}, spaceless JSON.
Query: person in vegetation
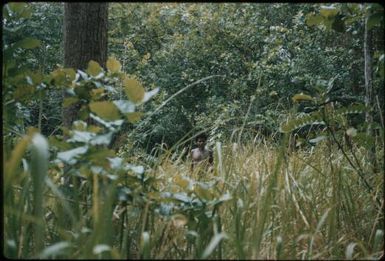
{"x":201,"y":157}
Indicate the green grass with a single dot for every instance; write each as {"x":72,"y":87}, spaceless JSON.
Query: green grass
{"x":261,"y":202}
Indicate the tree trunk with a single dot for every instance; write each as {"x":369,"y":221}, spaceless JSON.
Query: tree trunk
{"x":85,"y":34}
{"x":85,"y":39}
{"x":369,"y":101}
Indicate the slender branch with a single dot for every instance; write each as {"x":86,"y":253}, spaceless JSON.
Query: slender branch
{"x":182,"y":90}
{"x":380,"y":111}
{"x":173,"y":96}
{"x":358,"y":171}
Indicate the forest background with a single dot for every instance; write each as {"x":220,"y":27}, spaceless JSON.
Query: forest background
{"x":291,"y":96}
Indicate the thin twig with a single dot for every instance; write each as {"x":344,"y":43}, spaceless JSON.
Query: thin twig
{"x":173,"y":96}
{"x":380,"y":111}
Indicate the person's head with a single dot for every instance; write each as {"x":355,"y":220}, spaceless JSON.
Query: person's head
{"x":201,"y":140}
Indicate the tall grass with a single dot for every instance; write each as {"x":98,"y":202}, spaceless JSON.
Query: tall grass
{"x":260,"y":202}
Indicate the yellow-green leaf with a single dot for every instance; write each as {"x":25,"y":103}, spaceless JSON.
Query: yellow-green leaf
{"x":58,"y":76}
{"x":313,"y":19}
{"x":113,"y":65}
{"x":97,"y":93}
{"x":134,"y":89}
{"x":106,"y":110}
{"x":23,"y":91}
{"x":17,"y":7}
{"x":94,"y":68}
{"x":69,"y":101}
{"x":328,"y":11}
{"x":134,"y":117}
{"x":301,"y":97}
{"x":70,"y":74}
{"x":36,"y":77}
{"x":375,"y":19}
{"x":28,"y":43}
{"x":94,"y":129}
{"x":181,"y":182}
{"x":100,"y":156}
{"x":203,"y":193}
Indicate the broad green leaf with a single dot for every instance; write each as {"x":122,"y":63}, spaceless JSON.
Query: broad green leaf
{"x":338,"y":25}
{"x":301,"y":97}
{"x":81,"y":136}
{"x":71,"y":156}
{"x":94,"y":68}
{"x":375,"y":19}
{"x":313,"y":19}
{"x":6,"y":11}
{"x":148,"y":95}
{"x":28,"y":43}
{"x":54,"y":250}
{"x":133,"y":89}
{"x":83,"y":112}
{"x":103,"y":139}
{"x":328,"y":11}
{"x":17,"y":7}
{"x":134,"y":117}
{"x":26,"y":13}
{"x":36,"y":77}
{"x":61,"y":145}
{"x":203,"y":192}
{"x":328,"y":22}
{"x":97,"y":93}
{"x":70,"y":74}
{"x":106,"y":110}
{"x":181,"y":182}
{"x":113,"y":65}
{"x":108,"y":124}
{"x":125,"y":106}
{"x":58,"y":76}
{"x":116,"y":162}
{"x":24,"y":91}
{"x":100,"y":156}
{"x":83,"y":75}
{"x":69,"y":101}
{"x":94,"y":129}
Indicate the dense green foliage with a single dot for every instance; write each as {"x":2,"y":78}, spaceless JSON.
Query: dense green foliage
{"x":280,"y":88}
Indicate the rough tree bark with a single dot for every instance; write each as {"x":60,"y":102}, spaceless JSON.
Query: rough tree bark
{"x":85,"y":39}
{"x":369,"y":101}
